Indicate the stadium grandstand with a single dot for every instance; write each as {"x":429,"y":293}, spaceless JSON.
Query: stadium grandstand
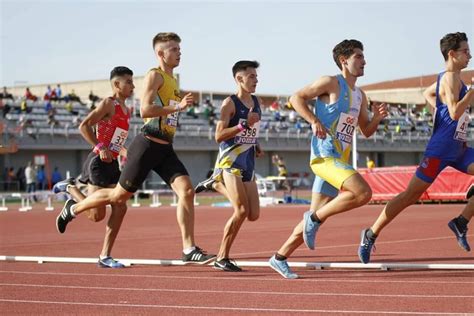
{"x":46,"y":128}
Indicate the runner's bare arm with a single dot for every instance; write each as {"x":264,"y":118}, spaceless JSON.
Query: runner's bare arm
{"x":456,"y":107}
{"x":300,"y":99}
{"x":105,"y":110}
{"x":223,"y":132}
{"x":430,"y":95}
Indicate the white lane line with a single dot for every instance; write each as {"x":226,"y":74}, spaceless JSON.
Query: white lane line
{"x":352,"y":245}
{"x":76,"y":287}
{"x":236,"y":278}
{"x":225,"y":308}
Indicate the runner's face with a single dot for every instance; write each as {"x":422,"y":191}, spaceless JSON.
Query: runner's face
{"x":356,"y":63}
{"x":172,"y":53}
{"x":126,"y":86}
{"x":248,"y":79}
{"x":463,"y":55}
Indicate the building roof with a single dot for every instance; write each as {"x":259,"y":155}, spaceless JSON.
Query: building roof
{"x":414,"y":82}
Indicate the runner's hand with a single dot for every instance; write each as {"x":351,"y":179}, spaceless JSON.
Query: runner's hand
{"x":380,"y":111}
{"x":105,"y":155}
{"x":252,"y":117}
{"x":318,"y":129}
{"x":186,"y":101}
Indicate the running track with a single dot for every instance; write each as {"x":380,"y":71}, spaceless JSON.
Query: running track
{"x":419,"y":235}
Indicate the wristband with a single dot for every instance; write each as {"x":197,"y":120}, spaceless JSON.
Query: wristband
{"x":98,"y":147}
{"x":178,"y":108}
{"x":243,"y":126}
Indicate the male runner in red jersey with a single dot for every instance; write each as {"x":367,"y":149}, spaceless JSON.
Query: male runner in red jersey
{"x":101,"y":168}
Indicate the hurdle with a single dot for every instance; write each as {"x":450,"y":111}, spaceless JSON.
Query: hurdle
{"x":25,"y":200}
{"x":311,"y":265}
{"x":155,"y":198}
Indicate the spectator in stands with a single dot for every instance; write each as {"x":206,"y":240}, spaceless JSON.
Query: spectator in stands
{"x":278,"y":161}
{"x":275,"y":106}
{"x":447,"y":147}
{"x":370,"y":163}
{"x":70,"y":108}
{"x":333,"y":122}
{"x":74,"y":97}
{"x":56,"y":176}
{"x":30,"y":177}
{"x":20,"y":177}
{"x":209,"y":112}
{"x":48,"y":95}
{"x":398,"y":128}
{"x":11,"y":177}
{"x":40,"y":178}
{"x":192,"y":111}
{"x":93,"y":98}
{"x":59,"y":92}
{"x":29,"y":95}
{"x":5,"y":108}
{"x":5,"y":94}
{"x":24,"y":107}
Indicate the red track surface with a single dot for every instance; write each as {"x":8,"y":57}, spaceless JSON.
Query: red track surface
{"x":420,"y":235}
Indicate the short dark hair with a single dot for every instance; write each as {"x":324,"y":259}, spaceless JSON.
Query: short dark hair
{"x":165,"y":37}
{"x":345,"y":48}
{"x":451,"y":41}
{"x":243,"y":65}
{"x":120,"y":71}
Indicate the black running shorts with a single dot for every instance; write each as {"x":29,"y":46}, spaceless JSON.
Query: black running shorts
{"x":145,"y":155}
{"x":99,"y":173}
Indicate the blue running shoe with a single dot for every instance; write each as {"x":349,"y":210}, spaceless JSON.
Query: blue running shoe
{"x":61,"y":186}
{"x":365,"y":247}
{"x":109,"y":262}
{"x":282,"y":267}
{"x":310,"y":229}
{"x":461,"y":236}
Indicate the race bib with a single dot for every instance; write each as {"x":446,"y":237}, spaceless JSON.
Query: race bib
{"x":248,"y":136}
{"x":461,"y":129}
{"x":345,"y":128}
{"x":118,"y":139}
{"x":172,"y":118}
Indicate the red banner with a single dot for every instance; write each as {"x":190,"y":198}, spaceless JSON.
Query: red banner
{"x":387,"y":182}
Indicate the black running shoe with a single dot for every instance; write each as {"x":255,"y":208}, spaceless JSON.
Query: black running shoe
{"x":227,"y":265}
{"x":198,"y":256}
{"x":205,"y":185}
{"x":470,"y":192}
{"x":65,"y":216}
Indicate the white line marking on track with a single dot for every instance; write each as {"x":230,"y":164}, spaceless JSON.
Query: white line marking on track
{"x":351,"y":245}
{"x":232,"y":292}
{"x":225,"y":308}
{"x":237,"y":278}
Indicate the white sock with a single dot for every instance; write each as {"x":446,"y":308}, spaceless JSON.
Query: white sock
{"x":102,"y":257}
{"x":72,"y":210}
{"x":187,"y":251}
